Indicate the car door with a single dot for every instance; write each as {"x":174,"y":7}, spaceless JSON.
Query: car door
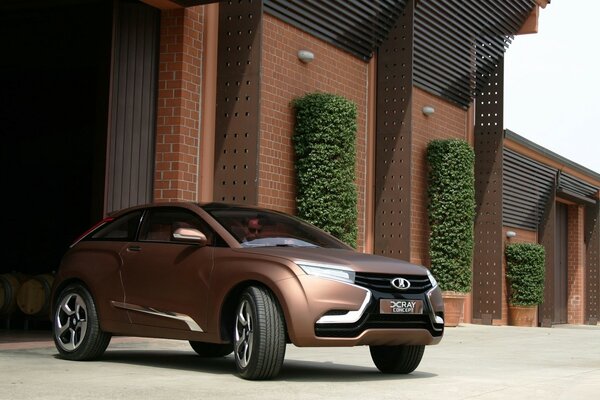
{"x":166,"y":280}
{"x":98,"y":262}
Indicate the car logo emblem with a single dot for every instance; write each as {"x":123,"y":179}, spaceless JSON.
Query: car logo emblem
{"x":400,"y":283}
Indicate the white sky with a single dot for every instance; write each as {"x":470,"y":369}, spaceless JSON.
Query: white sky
{"x":552,"y":82}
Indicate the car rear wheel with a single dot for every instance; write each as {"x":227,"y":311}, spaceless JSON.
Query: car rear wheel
{"x":210,"y":350}
{"x":397,"y":359}
{"x":76,"y":329}
{"x":259,"y":335}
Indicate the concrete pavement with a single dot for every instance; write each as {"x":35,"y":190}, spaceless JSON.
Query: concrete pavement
{"x":472,"y":362}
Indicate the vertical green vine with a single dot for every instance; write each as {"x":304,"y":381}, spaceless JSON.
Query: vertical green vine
{"x":451,"y":211}
{"x":325,"y":148}
{"x":525,"y":273}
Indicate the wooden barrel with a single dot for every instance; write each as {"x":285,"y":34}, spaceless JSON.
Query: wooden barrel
{"x":33,"y":297}
{"x":9,"y":286}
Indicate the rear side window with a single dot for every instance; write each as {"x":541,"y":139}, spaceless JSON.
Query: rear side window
{"x":123,"y":228}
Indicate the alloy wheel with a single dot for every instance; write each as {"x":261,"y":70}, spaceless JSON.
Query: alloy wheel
{"x":71,"y":322}
{"x":244,"y":333}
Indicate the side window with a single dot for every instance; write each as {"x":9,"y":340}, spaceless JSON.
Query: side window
{"x":123,"y":228}
{"x":160,"y":223}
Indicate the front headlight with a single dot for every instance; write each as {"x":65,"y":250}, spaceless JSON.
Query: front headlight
{"x":431,"y":279}
{"x":329,"y":271}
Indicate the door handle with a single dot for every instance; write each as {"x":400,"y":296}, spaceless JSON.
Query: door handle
{"x":134,"y":248}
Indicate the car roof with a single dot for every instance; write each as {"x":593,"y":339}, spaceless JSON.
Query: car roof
{"x":209,"y":206}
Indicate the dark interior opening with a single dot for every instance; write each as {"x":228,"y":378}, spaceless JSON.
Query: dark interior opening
{"x":54,"y":75}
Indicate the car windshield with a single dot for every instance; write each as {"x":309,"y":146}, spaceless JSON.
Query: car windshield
{"x":253,"y":227}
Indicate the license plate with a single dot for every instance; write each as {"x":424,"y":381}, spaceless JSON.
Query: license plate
{"x":394,"y":306}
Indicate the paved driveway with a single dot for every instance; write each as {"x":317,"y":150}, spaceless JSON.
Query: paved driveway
{"x":472,"y":362}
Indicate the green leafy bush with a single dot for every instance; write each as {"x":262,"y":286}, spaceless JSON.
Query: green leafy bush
{"x":451,"y":210}
{"x":325,"y":147}
{"x":525,"y":268}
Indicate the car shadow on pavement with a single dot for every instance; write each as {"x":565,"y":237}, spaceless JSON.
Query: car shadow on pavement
{"x":182,"y":360}
{"x":315,"y":371}
{"x":292,"y":370}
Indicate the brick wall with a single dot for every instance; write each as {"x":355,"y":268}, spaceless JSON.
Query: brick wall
{"x":448,"y":122}
{"x":576,"y":264}
{"x":178,"y":109}
{"x":284,"y":78}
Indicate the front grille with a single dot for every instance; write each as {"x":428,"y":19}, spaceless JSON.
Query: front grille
{"x":382,"y":283}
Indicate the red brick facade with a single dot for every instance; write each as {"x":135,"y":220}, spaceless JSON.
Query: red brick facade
{"x":576,"y":264}
{"x":178,"y":113}
{"x":284,"y":78}
{"x":447,"y":122}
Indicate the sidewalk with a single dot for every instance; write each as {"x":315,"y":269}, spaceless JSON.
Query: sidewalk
{"x":473,"y":361}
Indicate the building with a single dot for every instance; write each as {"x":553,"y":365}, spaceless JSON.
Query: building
{"x":111,"y":104}
{"x":550,"y":200}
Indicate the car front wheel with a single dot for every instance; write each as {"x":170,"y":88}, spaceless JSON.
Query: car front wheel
{"x":259,"y":335}
{"x":397,"y":359}
{"x":76,"y":330}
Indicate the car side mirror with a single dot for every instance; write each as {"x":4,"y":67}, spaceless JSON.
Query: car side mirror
{"x":189,"y":235}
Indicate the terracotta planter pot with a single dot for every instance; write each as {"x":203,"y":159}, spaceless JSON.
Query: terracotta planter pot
{"x":522,"y":315}
{"x":454,"y":304}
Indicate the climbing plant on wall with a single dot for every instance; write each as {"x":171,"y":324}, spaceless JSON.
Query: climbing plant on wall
{"x":325,"y":148}
{"x":525,"y":273}
{"x":451,"y":210}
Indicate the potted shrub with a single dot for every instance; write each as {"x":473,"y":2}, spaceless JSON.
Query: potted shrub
{"x":525,"y":268}
{"x":451,"y":211}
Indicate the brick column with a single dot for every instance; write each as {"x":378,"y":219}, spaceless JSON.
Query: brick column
{"x":178,"y":114}
{"x":576,"y":265}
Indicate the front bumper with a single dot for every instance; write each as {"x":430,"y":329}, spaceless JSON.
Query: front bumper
{"x":371,"y":318}
{"x":357,"y":319}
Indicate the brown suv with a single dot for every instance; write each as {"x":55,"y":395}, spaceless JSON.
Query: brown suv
{"x":243,"y":280}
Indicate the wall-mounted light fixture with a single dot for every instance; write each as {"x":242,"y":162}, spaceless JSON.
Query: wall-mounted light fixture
{"x":511,"y":234}
{"x":306,"y":56}
{"x":428,"y":110}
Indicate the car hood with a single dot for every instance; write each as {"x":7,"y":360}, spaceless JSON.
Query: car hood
{"x":359,"y":262}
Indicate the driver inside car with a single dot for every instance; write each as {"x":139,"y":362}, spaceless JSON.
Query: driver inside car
{"x":253,"y":229}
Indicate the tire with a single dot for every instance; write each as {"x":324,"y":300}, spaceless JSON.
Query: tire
{"x":397,"y":359}
{"x":259,"y":335}
{"x":211,"y":350}
{"x":75,"y":328}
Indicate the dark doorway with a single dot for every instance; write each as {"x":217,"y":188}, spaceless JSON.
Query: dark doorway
{"x":561,"y":265}
{"x":54,"y":75}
